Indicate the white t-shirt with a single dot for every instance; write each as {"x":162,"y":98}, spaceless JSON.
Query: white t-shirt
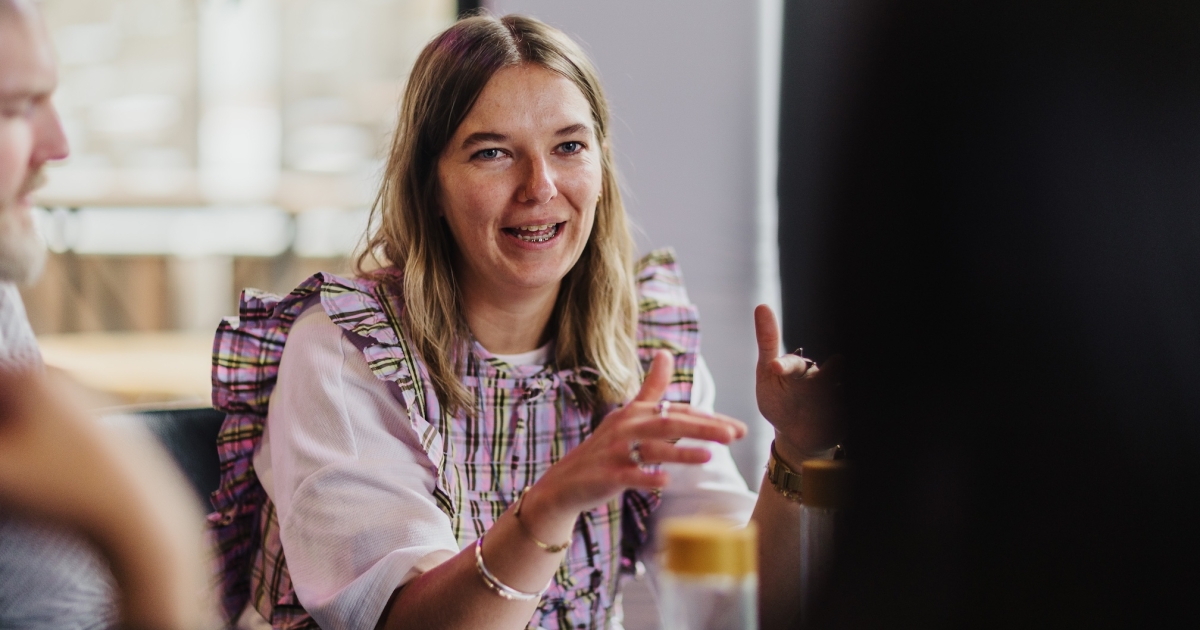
{"x":353,"y":490}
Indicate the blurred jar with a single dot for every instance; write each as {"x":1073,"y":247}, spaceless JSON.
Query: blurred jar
{"x":710,"y":581}
{"x":824,"y":487}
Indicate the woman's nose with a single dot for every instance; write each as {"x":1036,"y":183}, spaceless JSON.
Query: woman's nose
{"x":539,"y":185}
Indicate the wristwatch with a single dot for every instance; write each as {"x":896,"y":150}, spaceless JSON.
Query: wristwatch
{"x":786,"y":480}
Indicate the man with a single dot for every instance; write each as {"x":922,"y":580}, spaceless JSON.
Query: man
{"x":48,"y":578}
{"x":57,"y":465}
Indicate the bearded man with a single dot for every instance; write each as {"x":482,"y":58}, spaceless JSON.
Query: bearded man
{"x":48,"y":578}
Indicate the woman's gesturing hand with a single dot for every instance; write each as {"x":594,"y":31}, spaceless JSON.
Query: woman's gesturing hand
{"x":794,"y":394}
{"x":602,"y":466}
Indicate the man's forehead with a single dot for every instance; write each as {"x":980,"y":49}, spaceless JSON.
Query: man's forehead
{"x":26,"y":59}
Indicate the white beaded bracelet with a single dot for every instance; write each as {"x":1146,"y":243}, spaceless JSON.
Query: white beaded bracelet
{"x":498,"y":587}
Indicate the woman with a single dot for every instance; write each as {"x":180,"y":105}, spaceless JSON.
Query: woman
{"x":460,"y":439}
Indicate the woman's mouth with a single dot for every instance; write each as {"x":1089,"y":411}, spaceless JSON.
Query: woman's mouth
{"x":535,"y":233}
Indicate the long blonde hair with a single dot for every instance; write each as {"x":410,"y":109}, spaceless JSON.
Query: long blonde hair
{"x":596,"y":310}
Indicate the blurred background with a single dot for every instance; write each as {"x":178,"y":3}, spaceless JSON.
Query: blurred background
{"x":223,"y":144}
{"x":215,"y":145}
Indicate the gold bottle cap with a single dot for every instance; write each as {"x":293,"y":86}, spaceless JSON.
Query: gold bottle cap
{"x":824,"y":483}
{"x":698,"y":545}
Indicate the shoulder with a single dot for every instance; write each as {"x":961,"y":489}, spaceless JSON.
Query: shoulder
{"x":659,"y":280}
{"x":366,"y":306}
{"x":314,"y":329}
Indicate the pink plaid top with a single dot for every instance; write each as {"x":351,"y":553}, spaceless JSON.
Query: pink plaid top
{"x":525,"y":419}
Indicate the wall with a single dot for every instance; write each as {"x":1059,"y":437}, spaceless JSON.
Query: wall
{"x":684,"y":85}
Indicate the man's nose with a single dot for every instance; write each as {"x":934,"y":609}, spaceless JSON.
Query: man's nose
{"x":50,"y":141}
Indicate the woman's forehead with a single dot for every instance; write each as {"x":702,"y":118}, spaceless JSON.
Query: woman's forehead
{"x":525,"y":99}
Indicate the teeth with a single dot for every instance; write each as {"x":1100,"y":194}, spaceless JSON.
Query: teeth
{"x":539,"y":238}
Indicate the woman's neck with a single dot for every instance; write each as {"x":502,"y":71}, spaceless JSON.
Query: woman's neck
{"x":507,"y":322}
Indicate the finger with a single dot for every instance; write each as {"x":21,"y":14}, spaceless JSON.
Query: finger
{"x":644,"y":412}
{"x":676,"y":426}
{"x":655,"y":408}
{"x":657,"y":378}
{"x":792,"y":366}
{"x":766,"y":330}
{"x":648,"y":478}
{"x":659,"y":452}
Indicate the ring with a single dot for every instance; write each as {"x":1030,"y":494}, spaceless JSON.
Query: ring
{"x":635,"y":452}
{"x":664,"y":407}
{"x":808,"y":363}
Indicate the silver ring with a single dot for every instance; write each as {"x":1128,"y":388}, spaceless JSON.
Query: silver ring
{"x":664,"y":407}
{"x":808,"y":363}
{"x":635,"y":452}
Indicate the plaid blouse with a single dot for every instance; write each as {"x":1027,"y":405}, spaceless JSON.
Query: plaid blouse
{"x":525,"y":419}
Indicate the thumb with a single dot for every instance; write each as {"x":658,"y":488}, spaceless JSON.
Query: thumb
{"x":657,"y":378}
{"x":766,"y":330}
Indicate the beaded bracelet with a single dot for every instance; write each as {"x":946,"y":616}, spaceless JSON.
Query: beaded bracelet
{"x":498,"y":587}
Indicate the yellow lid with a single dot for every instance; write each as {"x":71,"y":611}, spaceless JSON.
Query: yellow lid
{"x":824,"y":483}
{"x":699,"y":545}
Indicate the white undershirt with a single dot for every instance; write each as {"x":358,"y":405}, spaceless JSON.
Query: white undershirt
{"x":353,"y":490}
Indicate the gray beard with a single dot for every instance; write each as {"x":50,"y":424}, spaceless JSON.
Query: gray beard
{"x":22,"y":250}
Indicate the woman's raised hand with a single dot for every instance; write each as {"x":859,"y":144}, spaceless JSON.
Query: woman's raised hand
{"x":604,"y":465}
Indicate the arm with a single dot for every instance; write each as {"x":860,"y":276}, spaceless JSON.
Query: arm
{"x":796,"y":397}
{"x":594,"y":472}
{"x":58,"y":465}
{"x":346,"y":474}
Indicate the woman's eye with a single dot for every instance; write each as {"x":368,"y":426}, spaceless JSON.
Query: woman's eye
{"x":571,"y":147}
{"x":489,"y":154}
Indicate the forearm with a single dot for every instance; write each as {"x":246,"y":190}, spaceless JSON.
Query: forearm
{"x":778,"y":521}
{"x":119,"y":492}
{"x":454,"y":594}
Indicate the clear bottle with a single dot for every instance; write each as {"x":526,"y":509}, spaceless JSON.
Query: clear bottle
{"x":710,"y":576}
{"x":824,"y":487}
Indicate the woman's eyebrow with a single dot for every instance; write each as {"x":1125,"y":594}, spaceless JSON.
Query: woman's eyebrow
{"x":573,"y":129}
{"x":481,"y":137}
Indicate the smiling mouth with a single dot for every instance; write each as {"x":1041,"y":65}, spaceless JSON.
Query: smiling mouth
{"x":535,"y":233}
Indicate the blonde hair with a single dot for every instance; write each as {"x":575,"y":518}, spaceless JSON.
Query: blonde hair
{"x":596,"y":310}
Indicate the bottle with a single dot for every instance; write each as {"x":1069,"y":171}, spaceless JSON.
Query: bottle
{"x":710,"y":577}
{"x":824,"y":486}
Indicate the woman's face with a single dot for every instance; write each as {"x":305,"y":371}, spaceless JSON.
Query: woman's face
{"x":519,"y":181}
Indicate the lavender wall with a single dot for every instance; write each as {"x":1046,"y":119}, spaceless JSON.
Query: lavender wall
{"x":684,"y":84}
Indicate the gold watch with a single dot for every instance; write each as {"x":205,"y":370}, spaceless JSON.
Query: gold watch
{"x":787,"y":481}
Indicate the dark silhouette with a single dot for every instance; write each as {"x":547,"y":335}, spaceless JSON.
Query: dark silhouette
{"x":992,"y":209}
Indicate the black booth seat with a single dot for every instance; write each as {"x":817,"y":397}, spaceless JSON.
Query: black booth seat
{"x":189,"y":435}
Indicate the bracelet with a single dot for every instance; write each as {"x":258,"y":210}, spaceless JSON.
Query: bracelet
{"x":500,"y":588}
{"x":529,"y":534}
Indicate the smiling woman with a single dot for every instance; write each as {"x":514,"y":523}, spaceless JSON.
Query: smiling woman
{"x":482,"y":431}
{"x":520,"y":203}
